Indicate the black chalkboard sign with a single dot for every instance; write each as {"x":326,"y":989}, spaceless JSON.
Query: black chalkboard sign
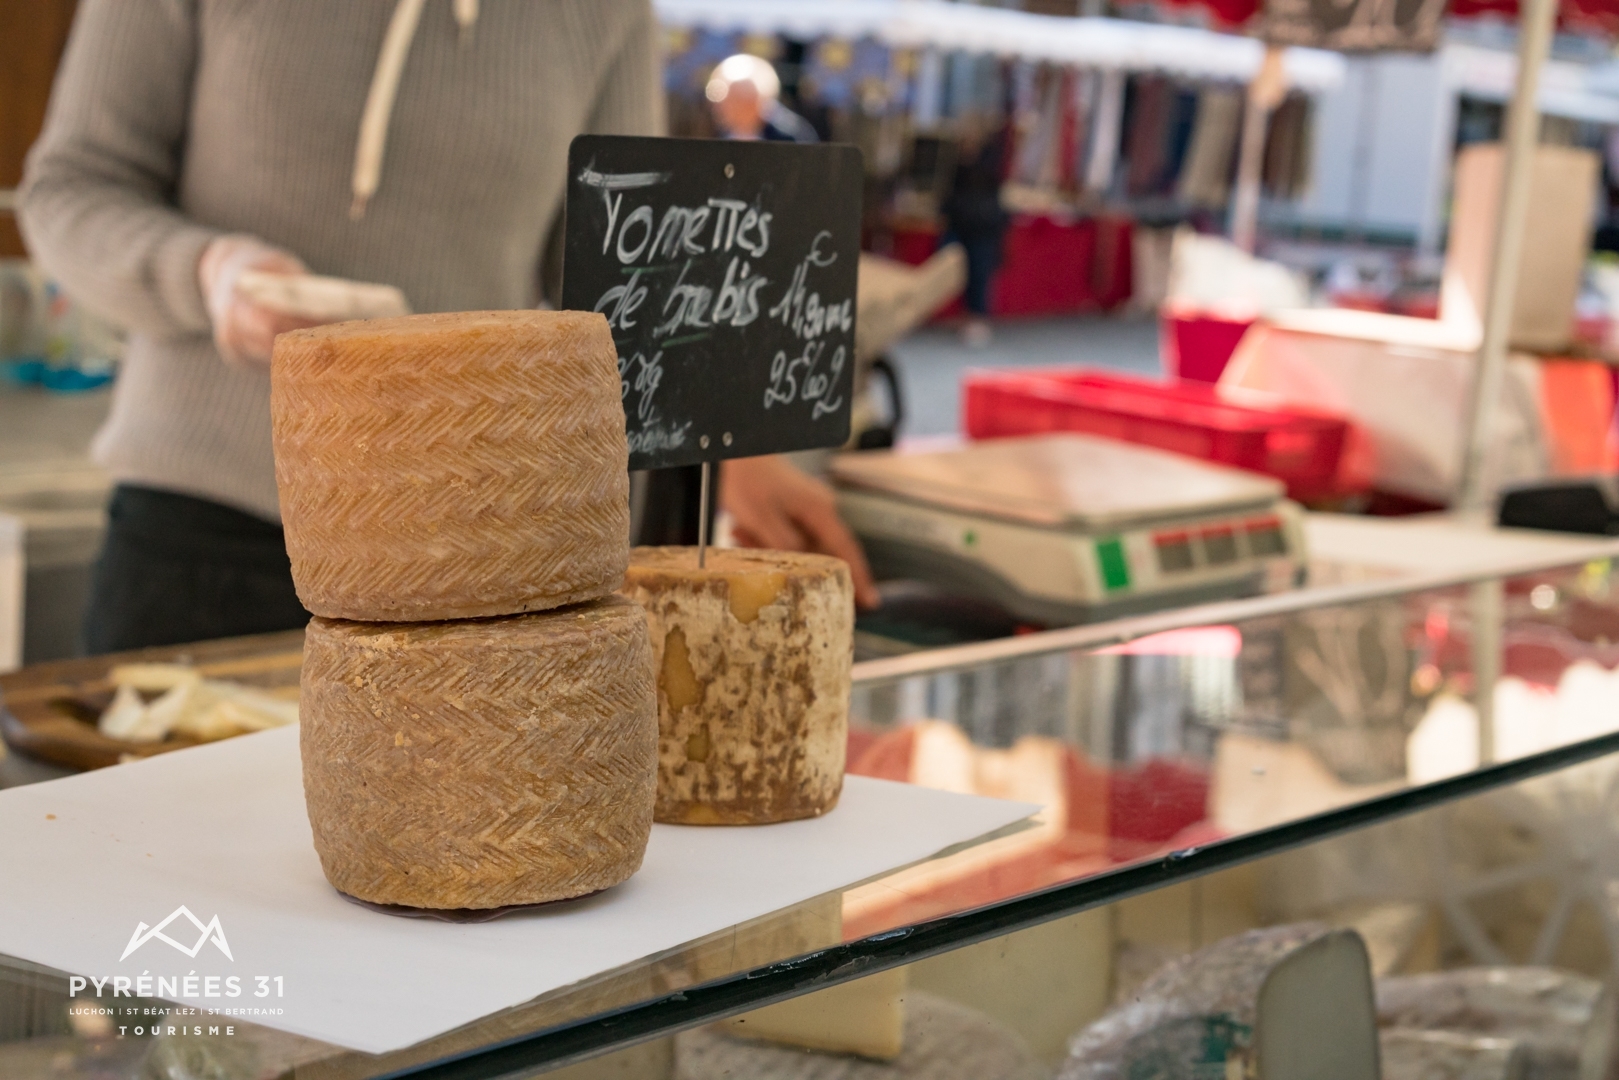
{"x":727,"y":272}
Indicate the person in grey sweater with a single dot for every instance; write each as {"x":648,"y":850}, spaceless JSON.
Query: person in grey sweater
{"x":415,"y":143}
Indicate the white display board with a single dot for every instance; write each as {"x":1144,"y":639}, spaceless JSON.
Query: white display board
{"x":98,"y":866}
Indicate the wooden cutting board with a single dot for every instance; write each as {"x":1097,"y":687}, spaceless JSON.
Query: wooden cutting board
{"x":49,"y":711}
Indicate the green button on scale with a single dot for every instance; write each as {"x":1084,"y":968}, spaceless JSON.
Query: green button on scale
{"x":1114,"y":565}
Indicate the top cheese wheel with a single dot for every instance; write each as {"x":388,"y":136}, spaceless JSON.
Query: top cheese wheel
{"x":451,"y":466}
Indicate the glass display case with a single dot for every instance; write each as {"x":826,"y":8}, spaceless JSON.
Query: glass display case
{"x":1428,"y":761}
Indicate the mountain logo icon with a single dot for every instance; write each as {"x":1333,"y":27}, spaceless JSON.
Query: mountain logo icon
{"x":210,"y":931}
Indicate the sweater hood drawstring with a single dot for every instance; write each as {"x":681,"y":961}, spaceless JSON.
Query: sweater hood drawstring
{"x":379,"y":102}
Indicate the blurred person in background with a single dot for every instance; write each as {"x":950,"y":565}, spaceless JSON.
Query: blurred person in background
{"x":420,"y":144}
{"x":974,"y":217}
{"x":745,"y":94}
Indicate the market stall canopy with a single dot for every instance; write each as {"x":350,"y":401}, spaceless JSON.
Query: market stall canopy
{"x":1567,"y":88}
{"x":1574,"y":16}
{"x":938,"y":24}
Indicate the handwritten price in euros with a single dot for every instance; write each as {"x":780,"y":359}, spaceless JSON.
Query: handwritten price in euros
{"x":801,"y":379}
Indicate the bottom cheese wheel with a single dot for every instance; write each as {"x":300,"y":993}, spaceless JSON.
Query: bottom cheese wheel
{"x":484,"y":763}
{"x":753,"y":655}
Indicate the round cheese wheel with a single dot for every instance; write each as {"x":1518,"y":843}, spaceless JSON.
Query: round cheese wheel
{"x":753,"y":655}
{"x":451,"y":466}
{"x":480,"y":764}
{"x":1280,"y":1001}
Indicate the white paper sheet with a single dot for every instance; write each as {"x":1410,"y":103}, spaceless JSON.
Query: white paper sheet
{"x":222,"y":830}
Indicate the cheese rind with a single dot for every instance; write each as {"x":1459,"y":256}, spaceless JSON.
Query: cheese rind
{"x":1280,"y":1003}
{"x":753,"y":656}
{"x":480,"y":764}
{"x":451,"y":466}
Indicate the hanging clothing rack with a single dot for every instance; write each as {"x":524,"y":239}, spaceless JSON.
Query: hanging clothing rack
{"x":1117,"y":44}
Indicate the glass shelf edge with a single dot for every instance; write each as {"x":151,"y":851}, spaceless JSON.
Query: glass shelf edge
{"x":1118,"y":631}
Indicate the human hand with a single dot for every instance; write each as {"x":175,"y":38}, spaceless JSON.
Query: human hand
{"x":244,"y":331}
{"x":776,"y":505}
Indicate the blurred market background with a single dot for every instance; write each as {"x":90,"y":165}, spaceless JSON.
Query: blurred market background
{"x":1127,"y":230}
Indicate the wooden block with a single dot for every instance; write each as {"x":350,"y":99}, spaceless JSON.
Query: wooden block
{"x":865,"y":1017}
{"x":1188,"y":915}
{"x":943,"y":1041}
{"x":1045,"y":983}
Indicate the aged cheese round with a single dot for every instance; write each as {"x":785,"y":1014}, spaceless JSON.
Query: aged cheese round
{"x":753,"y":656}
{"x":480,"y":764}
{"x":1277,"y":1003}
{"x":451,"y":466}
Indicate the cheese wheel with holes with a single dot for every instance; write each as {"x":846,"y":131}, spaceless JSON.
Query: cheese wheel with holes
{"x":480,"y":764}
{"x":451,"y":466}
{"x":753,"y":656}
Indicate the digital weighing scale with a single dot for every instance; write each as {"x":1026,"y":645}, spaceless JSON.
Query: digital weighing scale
{"x":1067,"y":528}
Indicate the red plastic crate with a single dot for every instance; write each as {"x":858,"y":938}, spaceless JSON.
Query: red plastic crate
{"x":1197,"y":345}
{"x":1300,"y":447}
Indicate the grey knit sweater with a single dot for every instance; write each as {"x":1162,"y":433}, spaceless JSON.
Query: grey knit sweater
{"x":173,"y":121}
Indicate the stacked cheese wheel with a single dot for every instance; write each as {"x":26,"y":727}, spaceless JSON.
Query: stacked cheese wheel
{"x":479,"y":710}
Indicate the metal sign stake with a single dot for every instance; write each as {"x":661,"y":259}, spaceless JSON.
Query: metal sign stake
{"x":1536,"y":25}
{"x":702,"y":516}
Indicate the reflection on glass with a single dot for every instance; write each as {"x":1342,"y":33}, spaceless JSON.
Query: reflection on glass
{"x":1187,"y":737}
{"x":1172,"y":741}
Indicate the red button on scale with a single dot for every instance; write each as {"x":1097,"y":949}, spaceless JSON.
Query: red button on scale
{"x":1220,"y":545}
{"x":1174,"y":551}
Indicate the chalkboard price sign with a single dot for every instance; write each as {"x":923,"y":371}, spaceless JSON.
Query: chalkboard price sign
{"x":727,"y":272}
